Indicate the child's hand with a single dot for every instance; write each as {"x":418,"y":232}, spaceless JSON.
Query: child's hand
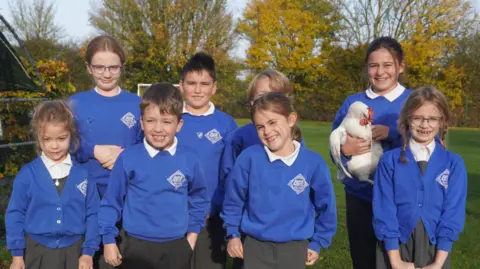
{"x":380,"y":132}
{"x":85,"y":262}
{"x":312,"y":257}
{"x":192,"y":239}
{"x":17,"y":263}
{"x":106,"y":155}
{"x":403,"y":265}
{"x":235,"y":248}
{"x":112,"y":254}
{"x":355,"y":146}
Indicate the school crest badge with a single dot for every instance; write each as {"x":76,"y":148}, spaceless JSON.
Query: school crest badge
{"x":177,"y":179}
{"x":442,"y":179}
{"x":129,"y":120}
{"x":214,"y":136}
{"x":82,"y":187}
{"x":298,"y":184}
{"x":199,"y":135}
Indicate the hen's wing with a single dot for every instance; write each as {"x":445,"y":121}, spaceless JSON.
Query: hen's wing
{"x":337,"y":139}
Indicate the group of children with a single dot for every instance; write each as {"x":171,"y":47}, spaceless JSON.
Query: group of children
{"x":165,"y":181}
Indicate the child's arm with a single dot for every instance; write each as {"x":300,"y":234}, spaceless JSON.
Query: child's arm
{"x":227,"y":162}
{"x":111,"y":206}
{"x":323,"y":199}
{"x":198,"y":200}
{"x":385,"y":221}
{"x":235,"y":195}
{"x":452,"y":220}
{"x":92,"y":236}
{"x":15,"y":215}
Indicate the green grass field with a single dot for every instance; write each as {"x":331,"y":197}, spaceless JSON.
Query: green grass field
{"x":466,"y":142}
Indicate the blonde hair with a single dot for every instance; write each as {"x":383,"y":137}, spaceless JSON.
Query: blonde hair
{"x":279,"y":104}
{"x":278,"y":83}
{"x":414,"y":101}
{"x":55,"y":111}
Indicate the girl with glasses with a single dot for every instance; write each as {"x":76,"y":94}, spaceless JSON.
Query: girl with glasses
{"x":420,"y":189}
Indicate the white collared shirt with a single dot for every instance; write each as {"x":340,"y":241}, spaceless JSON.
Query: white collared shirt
{"x":153,"y":151}
{"x":210,"y":110}
{"x":391,"y":96}
{"x":288,"y":160}
{"x":421,"y":153}
{"x":118,"y":91}
{"x":57,"y":170}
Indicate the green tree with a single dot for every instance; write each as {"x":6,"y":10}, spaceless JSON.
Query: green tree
{"x":160,"y":36}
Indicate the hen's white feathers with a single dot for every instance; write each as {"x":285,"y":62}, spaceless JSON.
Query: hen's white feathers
{"x":359,"y":166}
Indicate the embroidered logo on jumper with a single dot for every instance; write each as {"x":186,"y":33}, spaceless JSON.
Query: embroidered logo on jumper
{"x":129,"y":120}
{"x":298,"y":184}
{"x":82,"y":187}
{"x":177,"y":179}
{"x":200,"y":135}
{"x":442,"y":179}
{"x":214,"y":136}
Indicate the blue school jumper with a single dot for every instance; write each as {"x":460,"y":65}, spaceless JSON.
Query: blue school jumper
{"x":36,"y":210}
{"x":205,"y":134}
{"x":104,"y":121}
{"x":160,"y":198}
{"x":386,"y":112}
{"x":272,"y":201}
{"x":402,"y":197}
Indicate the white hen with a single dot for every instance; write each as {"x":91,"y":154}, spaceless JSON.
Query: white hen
{"x":357,"y":123}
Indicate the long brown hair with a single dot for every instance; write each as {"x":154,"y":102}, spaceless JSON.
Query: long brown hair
{"x":415,"y":100}
{"x":278,"y":83}
{"x":277,"y":103}
{"x":54,"y":111}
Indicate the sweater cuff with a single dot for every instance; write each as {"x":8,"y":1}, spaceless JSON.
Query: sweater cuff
{"x":17,"y":252}
{"x":391,"y":244}
{"x":392,"y":133}
{"x":443,"y":243}
{"x":88,"y":251}
{"x":232,"y":230}
{"x":109,"y":239}
{"x":194,"y":229}
{"x":344,"y":159}
{"x":315,"y":246}
{"x":89,"y":148}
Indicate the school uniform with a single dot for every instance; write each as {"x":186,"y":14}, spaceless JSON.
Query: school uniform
{"x":160,"y":196}
{"x":280,"y":203}
{"x":104,"y":120}
{"x":51,"y":218}
{"x":205,"y":135}
{"x":359,"y":194}
{"x":415,"y":211}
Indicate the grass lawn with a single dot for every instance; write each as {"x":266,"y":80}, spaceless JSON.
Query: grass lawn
{"x":466,"y":142}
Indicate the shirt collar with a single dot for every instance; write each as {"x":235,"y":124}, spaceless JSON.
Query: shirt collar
{"x":210,"y":110}
{"x":118,"y":92}
{"x":49,"y":163}
{"x":288,"y":160}
{"x":153,"y":151}
{"x":391,"y":96}
{"x":421,"y":153}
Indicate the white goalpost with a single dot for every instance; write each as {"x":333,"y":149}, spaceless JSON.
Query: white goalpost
{"x":141,"y":87}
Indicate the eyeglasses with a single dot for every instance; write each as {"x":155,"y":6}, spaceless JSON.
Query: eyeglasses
{"x":100,"y":69}
{"x":431,"y":121}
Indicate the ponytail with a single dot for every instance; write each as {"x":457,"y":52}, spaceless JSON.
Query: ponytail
{"x":297,"y":133}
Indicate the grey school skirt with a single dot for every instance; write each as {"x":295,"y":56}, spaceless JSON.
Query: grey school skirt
{"x":417,"y":250}
{"x":38,"y":256}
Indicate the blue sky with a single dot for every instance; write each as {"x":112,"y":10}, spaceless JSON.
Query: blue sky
{"x":73,"y":17}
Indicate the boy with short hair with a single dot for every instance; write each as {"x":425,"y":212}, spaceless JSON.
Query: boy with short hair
{"x":204,"y":130}
{"x":159,"y":190}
